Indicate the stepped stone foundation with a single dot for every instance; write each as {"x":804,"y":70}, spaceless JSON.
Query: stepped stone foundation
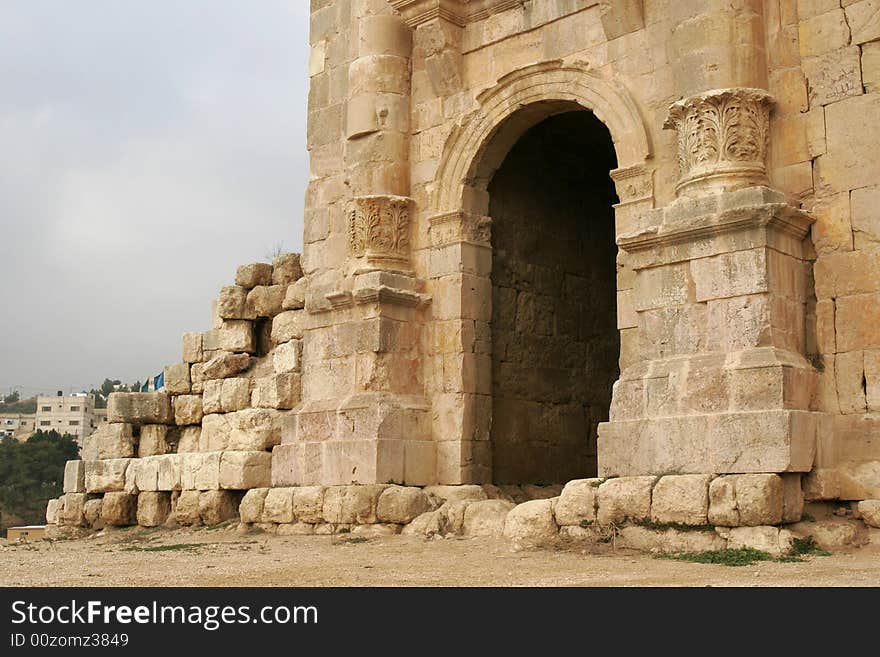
{"x":629,"y":248}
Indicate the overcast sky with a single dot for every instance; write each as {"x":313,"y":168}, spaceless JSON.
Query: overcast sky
{"x":148,"y":148}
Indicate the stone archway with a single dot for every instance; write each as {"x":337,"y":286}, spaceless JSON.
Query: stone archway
{"x":555,"y":343}
{"x":460,"y":230}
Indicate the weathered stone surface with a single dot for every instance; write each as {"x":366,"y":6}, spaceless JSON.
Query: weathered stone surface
{"x":119,"y":509}
{"x":286,"y":357}
{"x":681,"y":499}
{"x":746,"y":500}
{"x":168,"y":475}
{"x":189,"y":439}
{"x":186,"y":509}
{"x":52,"y":511}
{"x":232,"y":303}
{"x":531,"y":522}
{"x":177,"y":379}
{"x":821,"y":484}
{"x":153,"y":440}
{"x":139,"y":408}
{"x":153,"y":508}
{"x":74,"y":477}
{"x":774,"y":540}
{"x":192,"y":347}
{"x":251,"y":507}
{"x":669,"y":540}
{"x":216,"y":506}
{"x":278,"y":505}
{"x":833,"y":533}
{"x":278,"y":391}
{"x":377,"y":529}
{"x":251,"y":275}
{"x":105,"y":476}
{"x":399,"y":504}
{"x":870,"y":512}
{"x":286,"y":269}
{"x":71,"y":509}
{"x":92,"y":513}
{"x":442,"y":494}
{"x":187,"y":409}
{"x":351,"y":504}
{"x":237,"y":335}
{"x":577,"y":503}
{"x":112,"y":440}
{"x":453,"y":516}
{"x":625,"y":499}
{"x":225,"y":365}
{"x":485,"y":517}
{"x":244,"y":470}
{"x":253,"y":429}
{"x":227,"y":395}
{"x":266,"y":300}
{"x":296,"y":529}
{"x":200,"y":471}
{"x":308,"y":504}
{"x":288,"y":325}
{"x":429,"y":524}
{"x":295,"y":296}
{"x":792,"y":498}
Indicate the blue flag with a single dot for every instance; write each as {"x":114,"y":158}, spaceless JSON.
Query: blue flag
{"x":159,"y":381}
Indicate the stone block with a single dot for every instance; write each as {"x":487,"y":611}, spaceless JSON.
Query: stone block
{"x":71,"y":509}
{"x":153,"y":440}
{"x":186,"y":509}
{"x":308,"y":504}
{"x":266,"y":300}
{"x":197,"y":377}
{"x":354,"y":504}
{"x":142,"y":475}
{"x":225,"y":365}
{"x":288,"y":325}
{"x":278,"y":505}
{"x":746,"y":500}
{"x":74,"y":477}
{"x":153,"y":508}
{"x":52,"y":511}
{"x":577,"y":503}
{"x":251,"y":508}
{"x":177,"y":379}
{"x":821,"y":484}
{"x":531,"y":522}
{"x":237,"y":335}
{"x":792,"y":498}
{"x":232,"y":303}
{"x":865,"y":206}
{"x":287,"y":357}
{"x":869,"y":510}
{"x":139,"y":408}
{"x":106,"y":475}
{"x":485,"y":517}
{"x":168,"y":475}
{"x":671,"y":540}
{"x":92,"y":513}
{"x":286,"y":269}
{"x":681,"y":499}
{"x":119,"y":509}
{"x":216,"y":506}
{"x":227,"y":395}
{"x":281,"y":391}
{"x":399,"y":504}
{"x":244,"y":470}
{"x":112,"y":440}
{"x":295,"y":296}
{"x":189,"y":439}
{"x":773,"y":540}
{"x":187,"y":409}
{"x":440,"y":494}
{"x":192,"y":347}
{"x":856,"y":322}
{"x":625,"y":499}
{"x":251,"y":275}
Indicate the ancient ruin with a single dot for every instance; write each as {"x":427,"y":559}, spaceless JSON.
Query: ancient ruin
{"x":628,"y":247}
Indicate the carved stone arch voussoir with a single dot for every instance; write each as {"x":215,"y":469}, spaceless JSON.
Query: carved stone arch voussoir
{"x":520,"y":100}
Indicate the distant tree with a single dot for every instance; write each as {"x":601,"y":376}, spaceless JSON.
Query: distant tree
{"x":275,"y":251}
{"x":23,"y":406}
{"x":12,"y":397}
{"x":32,"y":472}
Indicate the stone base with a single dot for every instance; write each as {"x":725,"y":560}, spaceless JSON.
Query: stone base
{"x":743,"y":442}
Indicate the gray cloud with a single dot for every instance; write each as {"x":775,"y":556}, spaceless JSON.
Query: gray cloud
{"x":150,"y":148}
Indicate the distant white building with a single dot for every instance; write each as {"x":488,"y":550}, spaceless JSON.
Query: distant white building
{"x":17,"y":425}
{"x":71,"y":414}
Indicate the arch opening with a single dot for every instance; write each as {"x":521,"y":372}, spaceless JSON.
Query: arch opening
{"x":555,"y":343}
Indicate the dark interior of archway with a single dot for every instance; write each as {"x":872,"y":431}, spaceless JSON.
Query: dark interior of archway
{"x":554,"y":324}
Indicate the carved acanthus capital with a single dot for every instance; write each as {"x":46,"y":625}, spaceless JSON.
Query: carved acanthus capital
{"x":722,"y":139}
{"x":379,"y":230}
{"x":456,"y":227}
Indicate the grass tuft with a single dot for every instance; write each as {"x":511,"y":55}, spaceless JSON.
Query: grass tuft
{"x":740,"y":557}
{"x":163,"y":548}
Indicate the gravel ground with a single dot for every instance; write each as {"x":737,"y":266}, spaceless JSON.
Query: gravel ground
{"x":223,"y":557}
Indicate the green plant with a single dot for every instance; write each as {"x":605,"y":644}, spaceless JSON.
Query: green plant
{"x":807,"y":517}
{"x":806,"y":545}
{"x":163,"y":548}
{"x":728,"y":557}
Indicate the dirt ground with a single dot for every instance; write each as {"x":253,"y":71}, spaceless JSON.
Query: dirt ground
{"x":223,"y":557}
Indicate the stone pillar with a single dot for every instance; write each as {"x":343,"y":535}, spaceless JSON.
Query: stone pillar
{"x":364,"y":416}
{"x":722,"y":384}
